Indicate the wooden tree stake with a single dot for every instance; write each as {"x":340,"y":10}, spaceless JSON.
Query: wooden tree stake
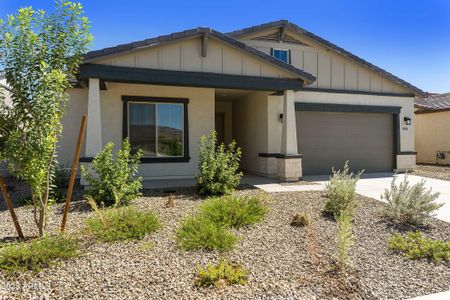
{"x":10,"y":205}
{"x":73,"y":172}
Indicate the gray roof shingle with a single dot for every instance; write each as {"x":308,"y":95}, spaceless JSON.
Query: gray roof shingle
{"x":284,"y":23}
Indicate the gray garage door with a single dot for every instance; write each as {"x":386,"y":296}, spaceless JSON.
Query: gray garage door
{"x":328,"y":139}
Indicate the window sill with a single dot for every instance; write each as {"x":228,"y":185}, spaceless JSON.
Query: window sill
{"x":148,"y":160}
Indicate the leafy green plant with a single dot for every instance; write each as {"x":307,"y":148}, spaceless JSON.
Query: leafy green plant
{"x":410,"y":204}
{"x":218,"y":167}
{"x":113,"y":182}
{"x":60,"y":184}
{"x":341,"y":191}
{"x":40,"y":53}
{"x":416,"y":246}
{"x":301,"y":220}
{"x":198,"y":232}
{"x":37,"y":254}
{"x":232,"y":211}
{"x":345,"y":239}
{"x":222,"y":274}
{"x":121,"y":224}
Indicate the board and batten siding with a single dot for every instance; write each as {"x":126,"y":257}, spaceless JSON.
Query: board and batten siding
{"x":332,"y":71}
{"x":186,"y":55}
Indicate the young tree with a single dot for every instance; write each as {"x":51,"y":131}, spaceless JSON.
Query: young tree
{"x":40,"y":54}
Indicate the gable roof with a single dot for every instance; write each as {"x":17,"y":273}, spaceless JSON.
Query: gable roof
{"x":433,"y":103}
{"x":197,"y":32}
{"x":328,"y":45}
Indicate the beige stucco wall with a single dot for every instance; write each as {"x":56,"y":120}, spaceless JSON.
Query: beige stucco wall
{"x":187,"y":56}
{"x":250,"y":128}
{"x":432,"y":135}
{"x":407,"y":105}
{"x":333,"y":71}
{"x":200,"y":115}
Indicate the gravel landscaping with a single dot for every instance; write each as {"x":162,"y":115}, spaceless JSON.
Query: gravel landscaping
{"x":433,"y":171}
{"x":276,"y":255}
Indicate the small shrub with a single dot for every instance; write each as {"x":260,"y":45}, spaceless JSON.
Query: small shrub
{"x":121,"y":224}
{"x":341,"y":191}
{"x":345,"y":239}
{"x":60,"y":184}
{"x":37,"y":254}
{"x":232,"y":211}
{"x":114,"y":181}
{"x":218,"y":167}
{"x":416,"y":246}
{"x":198,"y":232}
{"x":301,"y":220}
{"x":222,"y":274}
{"x":410,"y":204}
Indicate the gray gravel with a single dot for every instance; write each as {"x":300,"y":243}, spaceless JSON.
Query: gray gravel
{"x":433,"y":171}
{"x":274,"y":252}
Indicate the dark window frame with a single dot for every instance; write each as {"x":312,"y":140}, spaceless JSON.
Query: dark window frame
{"x":144,"y":99}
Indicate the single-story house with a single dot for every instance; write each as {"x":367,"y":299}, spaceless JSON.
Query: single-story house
{"x":6,"y":94}
{"x":295,"y":103}
{"x":432,"y":134}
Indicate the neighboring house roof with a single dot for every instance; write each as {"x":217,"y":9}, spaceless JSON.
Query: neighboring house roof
{"x":328,"y":45}
{"x":157,"y":41}
{"x":433,"y":103}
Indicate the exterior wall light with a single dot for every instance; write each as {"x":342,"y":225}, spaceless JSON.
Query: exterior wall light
{"x":407,"y":120}
{"x":281,"y":118}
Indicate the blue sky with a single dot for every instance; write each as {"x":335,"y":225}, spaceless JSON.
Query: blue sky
{"x":411,"y":39}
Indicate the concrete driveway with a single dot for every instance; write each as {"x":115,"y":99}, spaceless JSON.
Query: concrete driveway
{"x":373,"y":186}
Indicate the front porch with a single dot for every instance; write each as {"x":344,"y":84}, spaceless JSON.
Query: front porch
{"x":145,"y":111}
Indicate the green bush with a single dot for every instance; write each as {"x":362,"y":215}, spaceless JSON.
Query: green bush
{"x":416,"y":246}
{"x":222,"y":274}
{"x":121,"y":224}
{"x":113,"y":181}
{"x":60,"y":184}
{"x":345,"y":239}
{"x":37,"y":254}
{"x":301,"y":220}
{"x":231,"y":211}
{"x":218,"y":167}
{"x":198,"y":232}
{"x":341,"y":191}
{"x":410,"y":204}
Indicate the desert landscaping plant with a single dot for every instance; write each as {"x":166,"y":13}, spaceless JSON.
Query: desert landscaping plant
{"x":233,"y":211}
{"x":416,"y":246}
{"x":218,"y":167}
{"x":210,"y":228}
{"x":301,"y":220}
{"x":198,"y":232}
{"x":410,"y":204}
{"x":37,"y":254}
{"x":345,"y":239}
{"x":341,"y":191}
{"x":121,"y":223}
{"x":39,"y":54}
{"x":60,"y":184}
{"x":114,"y":181}
{"x":222,"y":274}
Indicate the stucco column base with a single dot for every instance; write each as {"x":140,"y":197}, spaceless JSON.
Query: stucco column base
{"x":405,"y":162}
{"x":289,"y":168}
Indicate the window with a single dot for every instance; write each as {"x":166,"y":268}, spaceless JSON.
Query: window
{"x":281,"y":54}
{"x":157,"y":126}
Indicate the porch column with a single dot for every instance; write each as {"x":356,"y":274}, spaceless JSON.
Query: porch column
{"x":289,"y":161}
{"x":289,"y":131}
{"x":94,"y":124}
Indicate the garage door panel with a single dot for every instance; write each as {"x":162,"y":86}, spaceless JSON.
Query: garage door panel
{"x":328,"y":139}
